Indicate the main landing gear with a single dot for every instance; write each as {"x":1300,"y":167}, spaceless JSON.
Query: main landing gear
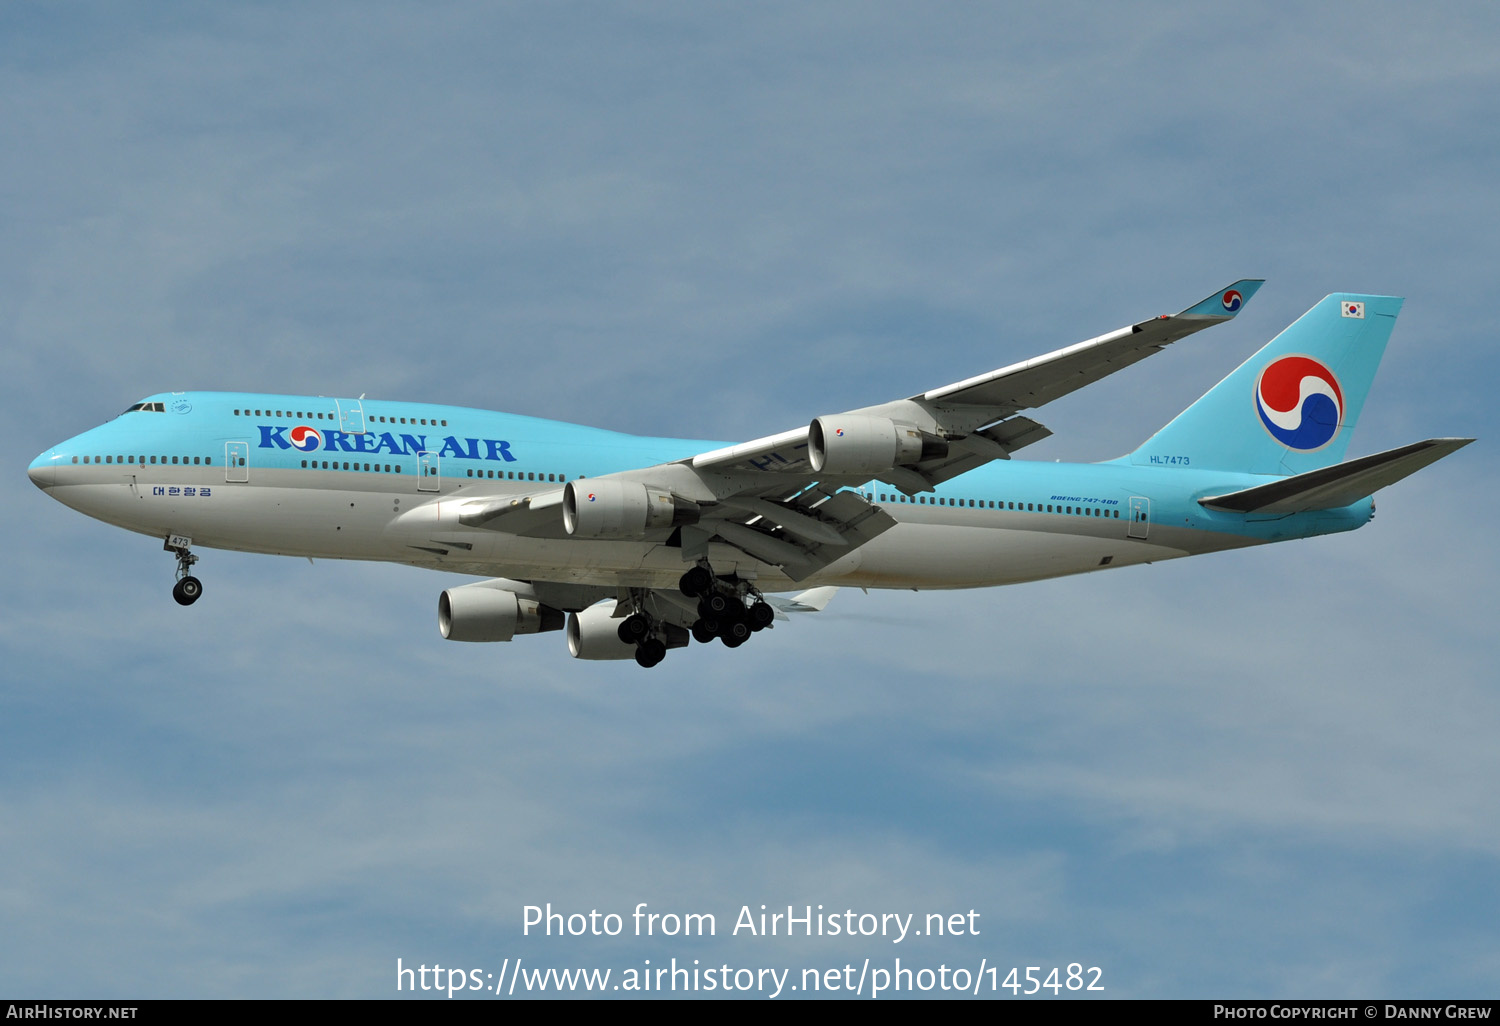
{"x":722,"y":609}
{"x":637,"y":629}
{"x":188,"y":588}
{"x":728,"y":609}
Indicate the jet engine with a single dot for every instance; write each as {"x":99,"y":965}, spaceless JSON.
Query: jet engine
{"x":622,"y":509}
{"x":595,"y":634}
{"x":863,"y":446}
{"x":482,"y":612}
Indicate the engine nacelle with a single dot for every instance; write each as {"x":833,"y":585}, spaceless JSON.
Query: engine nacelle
{"x":595,"y":634}
{"x":858,"y":445}
{"x":622,"y":509}
{"x":482,"y":612}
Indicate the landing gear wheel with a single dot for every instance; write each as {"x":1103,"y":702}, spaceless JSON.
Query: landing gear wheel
{"x":735,"y":634}
{"x":650,"y":652}
{"x":696,"y":582}
{"x":633,"y":628}
{"x":712,"y":622}
{"x":703,"y":633}
{"x":761,"y":614}
{"x":187,"y":590}
{"x":716,"y":603}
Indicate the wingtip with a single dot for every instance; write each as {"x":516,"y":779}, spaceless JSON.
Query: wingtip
{"x":1226,"y":302}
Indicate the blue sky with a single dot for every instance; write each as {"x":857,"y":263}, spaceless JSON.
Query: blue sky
{"x":1259,"y":773}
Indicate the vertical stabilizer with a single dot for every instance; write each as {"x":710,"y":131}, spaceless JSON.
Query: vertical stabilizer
{"x":1292,"y":406}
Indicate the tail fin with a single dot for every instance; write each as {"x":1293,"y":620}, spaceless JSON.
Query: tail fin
{"x":1292,"y":406}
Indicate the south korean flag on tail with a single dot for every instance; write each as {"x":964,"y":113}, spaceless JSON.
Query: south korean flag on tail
{"x":1350,"y":309}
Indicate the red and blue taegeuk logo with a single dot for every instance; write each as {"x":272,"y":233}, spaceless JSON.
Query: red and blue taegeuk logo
{"x":1232,"y":300}
{"x":305,"y":438}
{"x":1299,"y":402}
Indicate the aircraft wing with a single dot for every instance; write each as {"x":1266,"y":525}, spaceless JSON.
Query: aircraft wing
{"x":977,"y":414}
{"x":791,"y":499}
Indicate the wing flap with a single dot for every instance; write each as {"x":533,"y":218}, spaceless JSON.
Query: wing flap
{"x":782,"y":533}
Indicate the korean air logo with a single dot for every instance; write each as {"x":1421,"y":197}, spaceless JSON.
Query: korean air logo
{"x":1299,"y":402}
{"x":1232,"y":300}
{"x":305,"y":438}
{"x":591,"y":496}
{"x":839,"y":432}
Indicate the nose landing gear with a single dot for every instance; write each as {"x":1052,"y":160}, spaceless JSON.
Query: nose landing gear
{"x":188,"y":588}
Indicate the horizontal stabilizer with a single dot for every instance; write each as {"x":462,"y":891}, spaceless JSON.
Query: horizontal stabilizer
{"x":814,"y":601}
{"x":1339,"y":485}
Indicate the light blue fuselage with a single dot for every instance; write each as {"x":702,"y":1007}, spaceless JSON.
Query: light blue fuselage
{"x":383,"y":480}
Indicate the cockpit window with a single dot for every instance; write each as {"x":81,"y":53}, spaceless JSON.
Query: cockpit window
{"x":148,"y":408}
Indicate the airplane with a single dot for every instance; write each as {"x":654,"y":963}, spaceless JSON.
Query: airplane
{"x":635,"y":545}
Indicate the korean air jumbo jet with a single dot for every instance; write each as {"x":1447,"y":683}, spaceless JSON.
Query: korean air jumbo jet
{"x":636,"y":544}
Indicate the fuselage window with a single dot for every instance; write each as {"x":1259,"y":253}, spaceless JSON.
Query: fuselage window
{"x":106,"y":459}
{"x":398,"y":468}
{"x":304,"y":464}
{"x":445,"y":423}
{"x":75,"y":459}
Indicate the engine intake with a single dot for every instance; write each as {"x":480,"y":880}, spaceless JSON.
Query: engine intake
{"x":622,"y":509}
{"x":481,"y":612}
{"x":860,"y":445}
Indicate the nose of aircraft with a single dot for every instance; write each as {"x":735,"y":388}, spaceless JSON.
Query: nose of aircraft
{"x":41,"y":471}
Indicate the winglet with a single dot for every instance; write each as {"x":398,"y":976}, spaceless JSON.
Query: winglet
{"x":1227,"y":301}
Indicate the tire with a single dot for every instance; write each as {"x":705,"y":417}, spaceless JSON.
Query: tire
{"x":650,"y":652}
{"x":761,"y":615}
{"x":695,"y":582}
{"x":187,"y":591}
{"x":703,"y":632}
{"x":633,"y":628}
